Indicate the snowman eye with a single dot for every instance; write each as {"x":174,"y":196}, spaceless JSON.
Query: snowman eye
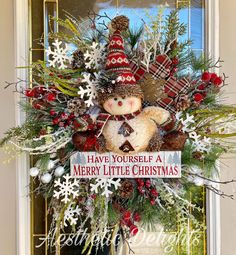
{"x":123,"y":97}
{"x":115,"y":98}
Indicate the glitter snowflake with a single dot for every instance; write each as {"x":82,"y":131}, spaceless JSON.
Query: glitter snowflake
{"x":59,"y":56}
{"x":186,"y":121}
{"x":67,"y":188}
{"x":201,"y":144}
{"x":89,"y":92}
{"x":95,"y":56}
{"x":71,"y":214}
{"x":105,"y":185}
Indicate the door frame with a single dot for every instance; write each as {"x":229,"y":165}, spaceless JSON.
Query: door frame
{"x":22,"y":46}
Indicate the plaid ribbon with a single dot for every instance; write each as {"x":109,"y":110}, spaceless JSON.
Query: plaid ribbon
{"x":104,"y":117}
{"x":167,"y":104}
{"x":159,"y":68}
{"x":174,"y":87}
{"x":138,"y":70}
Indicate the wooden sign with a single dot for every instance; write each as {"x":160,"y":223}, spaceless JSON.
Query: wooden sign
{"x":163,"y":164}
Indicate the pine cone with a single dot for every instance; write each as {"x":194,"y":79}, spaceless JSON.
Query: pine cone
{"x":78,"y":60}
{"x":198,"y":155}
{"x":174,"y":141}
{"x":126,"y":189}
{"x":183,"y":103}
{"x":120,"y":23}
{"x":152,"y":88}
{"x":76,"y":106}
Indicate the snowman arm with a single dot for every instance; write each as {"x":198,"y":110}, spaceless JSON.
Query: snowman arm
{"x":157,"y":114}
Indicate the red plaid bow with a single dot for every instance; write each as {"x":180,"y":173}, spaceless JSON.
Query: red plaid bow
{"x":174,"y":87}
{"x":160,"y":69}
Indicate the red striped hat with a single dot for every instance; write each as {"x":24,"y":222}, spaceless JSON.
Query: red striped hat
{"x":117,"y":62}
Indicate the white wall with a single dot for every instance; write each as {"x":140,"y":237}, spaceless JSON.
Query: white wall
{"x":7,"y":171}
{"x":228,"y":54}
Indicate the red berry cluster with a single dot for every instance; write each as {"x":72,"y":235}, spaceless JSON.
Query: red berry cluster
{"x":61,"y":119}
{"x":128,"y":220}
{"x":145,"y":188}
{"x":208,"y":80}
{"x":174,"y":66}
{"x":42,"y":96}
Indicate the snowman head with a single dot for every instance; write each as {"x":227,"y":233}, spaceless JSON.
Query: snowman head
{"x":120,"y":105}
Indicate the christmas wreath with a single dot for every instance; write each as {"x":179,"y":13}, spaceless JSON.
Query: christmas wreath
{"x":126,"y":92}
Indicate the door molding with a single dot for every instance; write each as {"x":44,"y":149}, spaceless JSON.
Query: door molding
{"x":21,"y":35}
{"x":212,"y":28}
{"x":22,"y":45}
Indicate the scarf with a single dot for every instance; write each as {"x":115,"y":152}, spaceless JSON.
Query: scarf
{"x":104,"y":117}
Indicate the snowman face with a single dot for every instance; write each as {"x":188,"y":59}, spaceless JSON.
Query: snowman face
{"x":122,"y":105}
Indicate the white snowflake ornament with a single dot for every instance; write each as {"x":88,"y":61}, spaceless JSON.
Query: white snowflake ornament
{"x":95,"y":55}
{"x":67,"y":189}
{"x":105,"y":185}
{"x":59,"y":56}
{"x":186,"y":121}
{"x":71,"y":215}
{"x":89,"y":93}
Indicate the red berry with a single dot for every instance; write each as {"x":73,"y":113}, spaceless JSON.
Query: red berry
{"x":175,"y":61}
{"x":198,"y":97}
{"x":60,"y":76}
{"x":218,"y":81}
{"x":64,"y":116}
{"x":61,"y":124}
{"x":213,"y":77}
{"x":201,"y":86}
{"x":154,"y":192}
{"x":137,"y":217}
{"x":174,"y":70}
{"x":206,"y":76}
{"x":52,"y":112}
{"x":148,"y":184}
{"x":141,"y":190}
{"x":93,"y":196}
{"x":133,"y":230}
{"x":153,"y":202}
{"x":160,"y":58}
{"x":51,"y":74}
{"x":51,"y":97}
{"x":56,"y":121}
{"x":30,"y":93}
{"x":127,"y":215}
{"x":37,"y":106}
{"x":141,"y":183}
{"x":71,"y":116}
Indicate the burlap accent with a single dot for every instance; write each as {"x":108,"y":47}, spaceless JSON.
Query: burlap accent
{"x":121,"y":91}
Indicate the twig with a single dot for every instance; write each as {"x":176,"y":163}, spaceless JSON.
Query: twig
{"x":219,"y":192}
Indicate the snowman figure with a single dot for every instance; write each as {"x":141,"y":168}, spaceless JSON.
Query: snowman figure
{"x":126,"y":128}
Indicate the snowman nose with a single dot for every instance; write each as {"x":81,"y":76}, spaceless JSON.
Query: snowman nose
{"x":120,"y":103}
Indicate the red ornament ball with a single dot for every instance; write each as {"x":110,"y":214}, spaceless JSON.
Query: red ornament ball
{"x":153,"y":202}
{"x":30,"y":93}
{"x":213,"y":77}
{"x":127,"y":215}
{"x":56,"y":121}
{"x":206,"y":76}
{"x":148,"y":183}
{"x":218,"y":81}
{"x":154,"y":192}
{"x":201,"y":86}
{"x":51,"y":97}
{"x":175,"y":61}
{"x":137,"y":217}
{"x":198,"y":97}
{"x":52,"y":112}
{"x":133,"y":230}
